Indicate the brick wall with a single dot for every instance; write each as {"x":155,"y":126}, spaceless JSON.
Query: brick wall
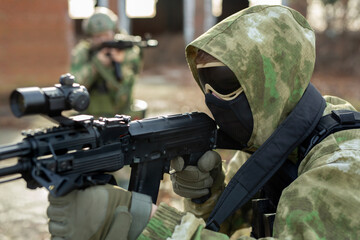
{"x":36,"y":38}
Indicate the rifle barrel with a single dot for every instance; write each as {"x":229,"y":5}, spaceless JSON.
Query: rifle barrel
{"x":14,"y":150}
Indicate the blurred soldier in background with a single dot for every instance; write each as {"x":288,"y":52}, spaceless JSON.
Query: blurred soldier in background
{"x":109,"y":74}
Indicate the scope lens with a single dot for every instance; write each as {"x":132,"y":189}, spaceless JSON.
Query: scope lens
{"x":17,"y":104}
{"x":24,"y":101}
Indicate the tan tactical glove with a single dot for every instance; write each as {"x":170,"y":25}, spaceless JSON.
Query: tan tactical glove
{"x":99,"y":212}
{"x":196,"y":181}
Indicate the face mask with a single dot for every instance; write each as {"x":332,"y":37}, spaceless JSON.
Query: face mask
{"x":234,"y":117}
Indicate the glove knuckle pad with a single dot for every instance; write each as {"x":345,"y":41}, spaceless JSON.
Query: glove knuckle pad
{"x":208,"y":161}
{"x":58,"y":229}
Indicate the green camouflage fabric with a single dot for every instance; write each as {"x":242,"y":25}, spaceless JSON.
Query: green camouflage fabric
{"x":171,"y":224}
{"x":272,"y":68}
{"x":241,"y":219}
{"x":102,"y":20}
{"x":162,"y":224}
{"x":322,"y":203}
{"x":271,"y":50}
{"x":89,"y":72}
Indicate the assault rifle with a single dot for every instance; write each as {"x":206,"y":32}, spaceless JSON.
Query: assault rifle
{"x":80,"y":151}
{"x":122,"y":41}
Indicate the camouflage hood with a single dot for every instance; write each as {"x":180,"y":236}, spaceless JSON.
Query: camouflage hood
{"x":271,"y":50}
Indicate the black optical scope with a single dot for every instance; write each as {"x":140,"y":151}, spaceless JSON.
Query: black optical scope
{"x":50,"y":101}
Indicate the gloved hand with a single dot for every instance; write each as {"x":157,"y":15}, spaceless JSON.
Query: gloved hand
{"x":195,"y":181}
{"x":99,"y":212}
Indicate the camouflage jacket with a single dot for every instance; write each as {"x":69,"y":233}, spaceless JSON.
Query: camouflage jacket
{"x":271,"y":50}
{"x":108,"y":96}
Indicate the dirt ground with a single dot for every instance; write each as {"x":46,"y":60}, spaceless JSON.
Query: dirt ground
{"x":168,"y":90}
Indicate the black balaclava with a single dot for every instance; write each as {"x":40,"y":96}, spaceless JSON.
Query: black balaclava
{"x":227,"y":102}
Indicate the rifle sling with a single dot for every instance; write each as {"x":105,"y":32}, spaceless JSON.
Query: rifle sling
{"x":337,"y":120}
{"x":264,"y":163}
{"x":264,"y":208}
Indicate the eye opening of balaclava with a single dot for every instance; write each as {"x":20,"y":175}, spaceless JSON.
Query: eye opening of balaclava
{"x":226,"y":100}
{"x":215,"y":77}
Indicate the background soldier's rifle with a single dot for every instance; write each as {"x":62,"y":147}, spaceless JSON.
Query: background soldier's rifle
{"x":121,"y":42}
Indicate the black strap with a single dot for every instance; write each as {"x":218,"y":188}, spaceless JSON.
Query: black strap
{"x":264,"y":208}
{"x":336,"y":121}
{"x":265,"y":162}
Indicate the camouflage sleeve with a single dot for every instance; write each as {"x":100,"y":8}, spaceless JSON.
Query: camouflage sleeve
{"x":235,"y":163}
{"x":131,"y":68}
{"x":81,"y":66}
{"x":323,"y":202}
{"x":133,"y":58}
{"x":239,"y":222}
{"x":203,"y":210}
{"x":169,"y":223}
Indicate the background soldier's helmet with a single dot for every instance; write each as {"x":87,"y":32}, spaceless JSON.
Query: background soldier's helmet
{"x":102,"y":20}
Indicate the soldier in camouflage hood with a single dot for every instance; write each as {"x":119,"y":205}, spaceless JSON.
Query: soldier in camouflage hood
{"x":271,"y":52}
{"x":109,"y":94}
{"x":258,"y":64}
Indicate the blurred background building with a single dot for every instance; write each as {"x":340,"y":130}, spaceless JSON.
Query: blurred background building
{"x":36,"y":37}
